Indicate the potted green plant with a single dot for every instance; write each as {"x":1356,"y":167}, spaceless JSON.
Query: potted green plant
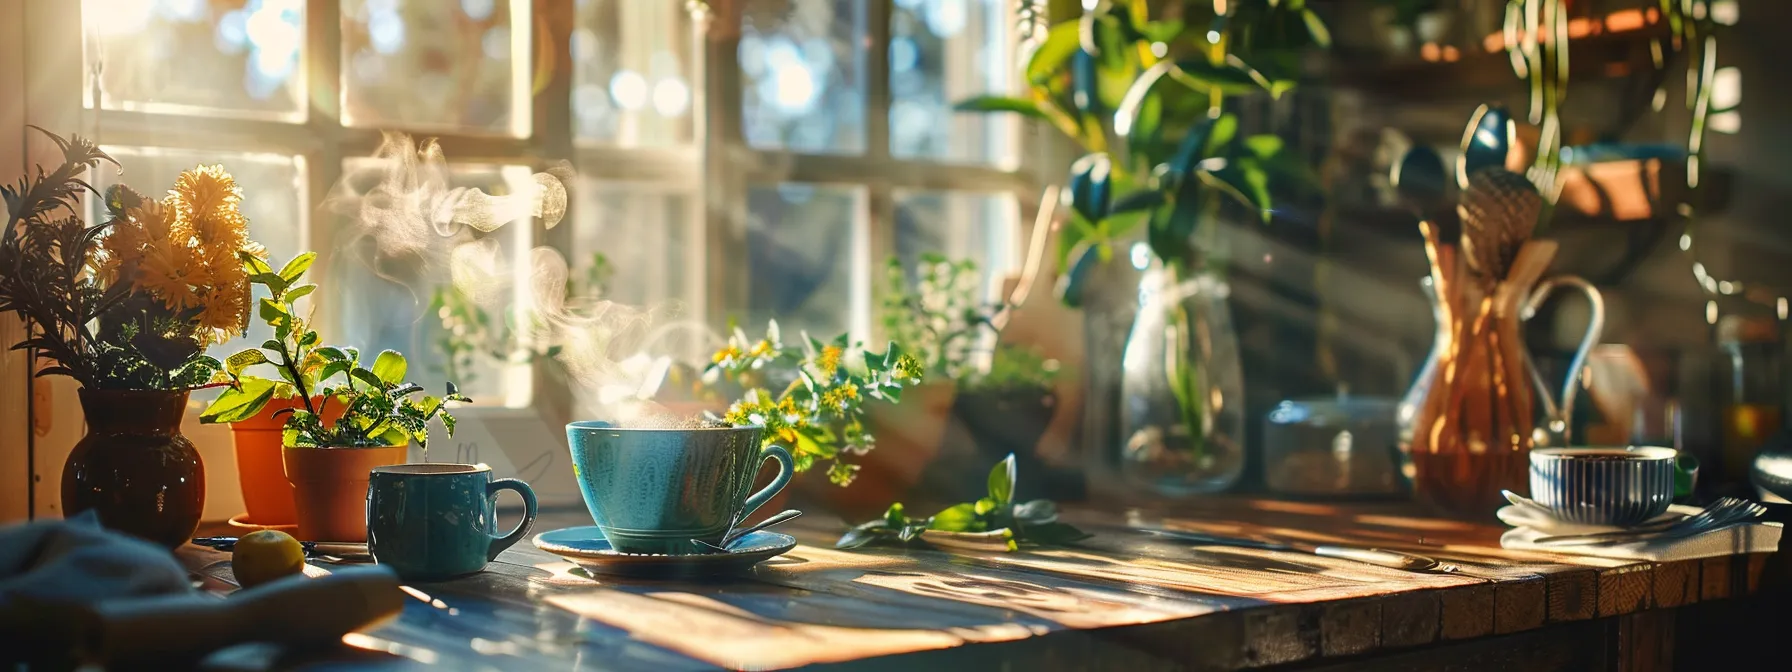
{"x":1148,"y":99}
{"x":127,"y":308}
{"x":327,"y":462}
{"x":820,"y":409}
{"x":998,"y":396}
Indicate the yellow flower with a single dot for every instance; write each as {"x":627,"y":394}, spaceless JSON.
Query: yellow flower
{"x":787,"y":435}
{"x":760,"y":349}
{"x":727,"y":355}
{"x":836,"y":399}
{"x":828,"y":360}
{"x":208,"y":193}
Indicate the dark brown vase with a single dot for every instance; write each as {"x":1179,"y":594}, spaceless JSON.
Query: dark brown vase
{"x":134,"y":469}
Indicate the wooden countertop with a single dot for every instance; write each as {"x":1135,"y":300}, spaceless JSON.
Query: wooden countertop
{"x":1122,"y":596}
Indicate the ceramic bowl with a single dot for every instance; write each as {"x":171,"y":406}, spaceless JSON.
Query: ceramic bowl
{"x":1603,"y":486}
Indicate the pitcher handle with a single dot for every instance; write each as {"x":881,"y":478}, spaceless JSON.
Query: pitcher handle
{"x":786,"y":469}
{"x":1559,"y":416}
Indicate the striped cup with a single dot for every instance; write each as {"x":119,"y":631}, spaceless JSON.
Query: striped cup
{"x":1603,"y":486}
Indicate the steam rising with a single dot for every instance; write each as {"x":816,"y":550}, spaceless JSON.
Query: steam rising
{"x":410,"y":218}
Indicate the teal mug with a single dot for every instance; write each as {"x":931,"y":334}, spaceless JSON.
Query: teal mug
{"x":436,"y":521}
{"x":655,"y":490}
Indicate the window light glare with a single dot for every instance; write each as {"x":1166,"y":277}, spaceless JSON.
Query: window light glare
{"x":1213,"y":36}
{"x":1726,"y":122}
{"x":629,"y":89}
{"x":1711,"y":312}
{"x":671,"y":97}
{"x":1726,"y":88}
{"x":1726,"y":12}
{"x":118,"y":17}
{"x":1685,"y":241}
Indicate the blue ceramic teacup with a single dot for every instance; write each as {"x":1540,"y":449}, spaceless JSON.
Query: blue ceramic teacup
{"x":653,"y":490}
{"x":1604,"y":486}
{"x":435,"y":521}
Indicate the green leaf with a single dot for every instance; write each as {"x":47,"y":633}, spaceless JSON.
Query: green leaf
{"x":272,"y":311}
{"x":274,"y":282}
{"x":243,"y":360}
{"x":1224,"y":129}
{"x":957,"y":518}
{"x":1038,"y":511}
{"x":308,"y":339}
{"x":862,"y":534}
{"x":298,"y":292}
{"x":1054,"y":51}
{"x":1019,"y":106}
{"x":1316,"y":28}
{"x":389,"y":367}
{"x":984,"y":506}
{"x":1264,"y":145}
{"x":1230,"y":78}
{"x":1245,"y":182}
{"x":895,"y":515}
{"x":1053,"y":533}
{"x":332,"y":353}
{"x":368,"y":378}
{"x":1091,"y":186}
{"x":297,"y":267}
{"x":1001,"y":481}
{"x":254,"y":264}
{"x":236,"y":405}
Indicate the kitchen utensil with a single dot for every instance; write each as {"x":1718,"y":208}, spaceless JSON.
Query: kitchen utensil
{"x":1722,"y":513}
{"x":347,"y":551}
{"x":1373,"y":556}
{"x":735,"y":535}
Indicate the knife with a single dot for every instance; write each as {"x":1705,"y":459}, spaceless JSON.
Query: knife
{"x":1372,"y":556}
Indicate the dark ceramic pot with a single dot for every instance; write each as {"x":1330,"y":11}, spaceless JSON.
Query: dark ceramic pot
{"x":996,"y":423}
{"x":134,"y":469}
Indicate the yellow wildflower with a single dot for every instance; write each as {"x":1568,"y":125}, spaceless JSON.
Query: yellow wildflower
{"x":828,"y":360}
{"x":208,"y":194}
{"x":761,"y":349}
{"x":727,"y":355}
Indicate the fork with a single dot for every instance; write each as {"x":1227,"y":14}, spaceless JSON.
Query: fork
{"x":1722,"y":513}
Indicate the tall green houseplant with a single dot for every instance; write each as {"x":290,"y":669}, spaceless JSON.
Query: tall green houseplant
{"x":1146,"y":97}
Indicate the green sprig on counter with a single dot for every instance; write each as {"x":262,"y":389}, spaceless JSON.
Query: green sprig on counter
{"x":993,"y":523}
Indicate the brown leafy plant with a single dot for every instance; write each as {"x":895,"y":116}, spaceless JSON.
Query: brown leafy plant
{"x":130,"y":303}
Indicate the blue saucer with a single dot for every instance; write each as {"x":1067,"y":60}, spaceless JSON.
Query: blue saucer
{"x":586,"y":547}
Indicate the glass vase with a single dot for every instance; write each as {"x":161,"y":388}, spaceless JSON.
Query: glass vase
{"x":1182,"y":389}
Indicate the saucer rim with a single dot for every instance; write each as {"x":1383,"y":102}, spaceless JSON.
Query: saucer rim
{"x":785,"y":543}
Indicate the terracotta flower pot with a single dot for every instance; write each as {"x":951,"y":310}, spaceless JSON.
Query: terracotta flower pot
{"x":133,"y":468}
{"x":260,"y":469}
{"x":329,"y":487}
{"x":908,"y":438}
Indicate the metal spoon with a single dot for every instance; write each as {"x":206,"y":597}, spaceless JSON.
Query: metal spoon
{"x":735,"y":535}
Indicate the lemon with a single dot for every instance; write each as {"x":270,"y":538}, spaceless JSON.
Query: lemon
{"x":264,"y":556}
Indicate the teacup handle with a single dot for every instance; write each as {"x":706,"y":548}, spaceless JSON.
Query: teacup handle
{"x":491,"y":492}
{"x":1559,"y":416}
{"x":786,"y":469}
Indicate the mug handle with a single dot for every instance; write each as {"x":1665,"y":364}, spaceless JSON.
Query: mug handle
{"x":1560,"y":416}
{"x":786,"y":469}
{"x":498,"y":544}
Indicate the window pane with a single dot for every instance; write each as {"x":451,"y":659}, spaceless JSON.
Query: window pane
{"x":440,"y":65}
{"x":803,"y":75}
{"x":643,"y":238}
{"x":239,"y":58}
{"x":386,"y":295}
{"x":274,"y":200}
{"x":941,"y":52}
{"x":960,"y":225}
{"x":632,"y":74}
{"x":808,"y":259}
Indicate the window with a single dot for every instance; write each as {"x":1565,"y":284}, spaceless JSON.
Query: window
{"x":748,"y":159}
